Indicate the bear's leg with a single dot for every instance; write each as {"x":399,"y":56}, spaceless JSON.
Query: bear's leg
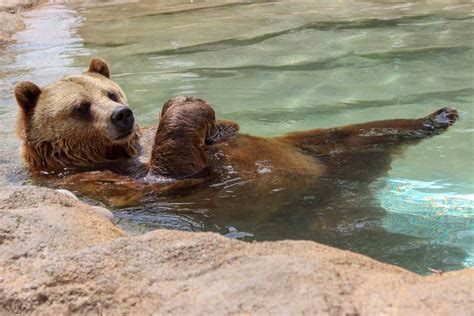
{"x":178,"y":151}
{"x":186,"y":126}
{"x":362,"y":152}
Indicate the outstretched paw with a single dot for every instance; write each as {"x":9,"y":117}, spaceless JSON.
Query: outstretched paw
{"x":441,"y":119}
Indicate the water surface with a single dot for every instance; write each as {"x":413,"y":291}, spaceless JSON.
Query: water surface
{"x":281,"y":66}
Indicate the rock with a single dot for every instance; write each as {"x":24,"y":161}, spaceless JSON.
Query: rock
{"x":58,"y":255}
{"x":9,"y":24}
{"x":10,"y":19}
{"x":17,"y":5}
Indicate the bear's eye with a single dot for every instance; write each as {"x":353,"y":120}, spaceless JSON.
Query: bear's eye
{"x":83,"y":108}
{"x":112,"y":96}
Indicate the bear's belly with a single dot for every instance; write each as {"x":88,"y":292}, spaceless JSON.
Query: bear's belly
{"x":266,"y":162}
{"x":254,"y":177}
{"x":250,"y":157}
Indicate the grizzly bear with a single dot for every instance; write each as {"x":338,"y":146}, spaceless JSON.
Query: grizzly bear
{"x":79,"y":133}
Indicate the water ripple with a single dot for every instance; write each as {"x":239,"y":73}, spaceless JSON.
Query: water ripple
{"x":320,"y":26}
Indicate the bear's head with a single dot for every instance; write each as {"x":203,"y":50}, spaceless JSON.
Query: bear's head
{"x":78,"y":122}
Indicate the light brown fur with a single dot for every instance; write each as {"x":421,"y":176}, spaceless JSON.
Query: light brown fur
{"x":54,"y":137}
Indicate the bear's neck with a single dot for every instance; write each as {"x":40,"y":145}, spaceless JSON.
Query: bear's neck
{"x":60,"y":156}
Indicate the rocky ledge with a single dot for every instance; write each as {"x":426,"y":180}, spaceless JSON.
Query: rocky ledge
{"x":59,"y":255}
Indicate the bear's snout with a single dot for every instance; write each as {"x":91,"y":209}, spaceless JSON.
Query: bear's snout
{"x":123,"y":120}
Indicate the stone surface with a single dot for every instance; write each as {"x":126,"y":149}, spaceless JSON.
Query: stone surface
{"x":9,"y":24}
{"x":58,"y":255}
{"x":17,"y":5}
{"x":10,"y":18}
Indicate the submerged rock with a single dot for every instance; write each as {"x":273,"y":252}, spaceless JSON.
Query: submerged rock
{"x":58,"y":255}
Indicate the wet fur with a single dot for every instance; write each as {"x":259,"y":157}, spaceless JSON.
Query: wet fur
{"x":54,"y":138}
{"x":190,"y":150}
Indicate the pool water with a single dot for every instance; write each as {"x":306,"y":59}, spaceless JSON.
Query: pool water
{"x":281,"y":66}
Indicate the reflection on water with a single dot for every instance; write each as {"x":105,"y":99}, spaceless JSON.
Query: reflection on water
{"x":429,"y":210}
{"x":282,"y":66}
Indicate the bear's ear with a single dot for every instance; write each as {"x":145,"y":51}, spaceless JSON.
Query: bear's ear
{"x":27,"y":94}
{"x":99,"y":66}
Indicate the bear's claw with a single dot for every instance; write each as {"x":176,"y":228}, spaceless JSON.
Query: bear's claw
{"x":441,"y":119}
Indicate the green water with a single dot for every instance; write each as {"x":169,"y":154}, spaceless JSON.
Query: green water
{"x":276,"y":67}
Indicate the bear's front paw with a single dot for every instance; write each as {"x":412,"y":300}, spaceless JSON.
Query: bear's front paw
{"x":441,"y":119}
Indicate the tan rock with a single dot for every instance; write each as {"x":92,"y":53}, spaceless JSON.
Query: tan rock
{"x":10,"y":18}
{"x":17,"y":5}
{"x":58,"y":255}
{"x":9,"y":24}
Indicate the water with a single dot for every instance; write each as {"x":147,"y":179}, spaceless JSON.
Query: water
{"x":283,"y":66}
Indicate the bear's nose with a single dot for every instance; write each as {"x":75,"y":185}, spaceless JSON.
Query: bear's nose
{"x":122,"y":118}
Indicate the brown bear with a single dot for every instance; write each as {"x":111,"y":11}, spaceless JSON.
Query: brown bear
{"x":79,"y":133}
